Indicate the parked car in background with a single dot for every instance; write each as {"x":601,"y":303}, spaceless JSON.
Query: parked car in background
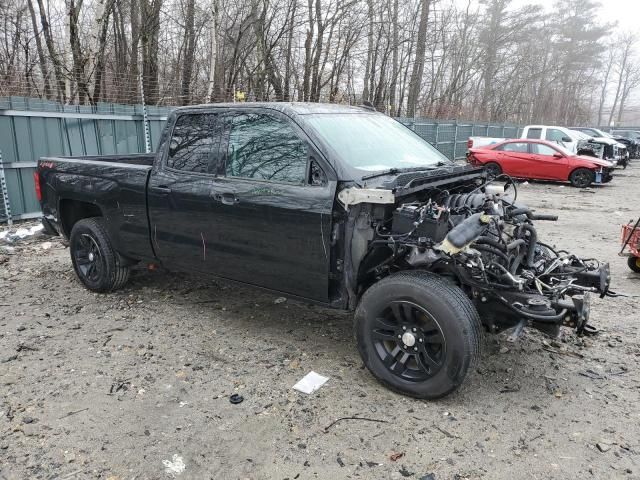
{"x":629,"y":138}
{"x":621,"y":149}
{"x":633,"y":134}
{"x":541,"y":160}
{"x":560,"y":135}
{"x":602,"y":147}
{"x":483,"y":141}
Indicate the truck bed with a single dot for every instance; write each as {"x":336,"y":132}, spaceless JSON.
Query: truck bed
{"x":112,"y":186}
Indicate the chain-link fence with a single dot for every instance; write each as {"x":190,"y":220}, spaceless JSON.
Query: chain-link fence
{"x":450,"y":136}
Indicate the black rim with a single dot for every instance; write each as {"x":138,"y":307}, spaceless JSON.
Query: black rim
{"x":409,"y":341}
{"x":88,"y":257}
{"x":582,"y":178}
{"x":493,"y":170}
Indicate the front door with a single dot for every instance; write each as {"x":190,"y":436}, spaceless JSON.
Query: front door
{"x":549,"y":163}
{"x":274,"y":202}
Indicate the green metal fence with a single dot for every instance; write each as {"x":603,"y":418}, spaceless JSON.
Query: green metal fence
{"x":31,"y":128}
{"x":450,"y":136}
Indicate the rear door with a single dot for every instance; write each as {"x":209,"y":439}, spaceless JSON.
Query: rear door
{"x":274,"y":201}
{"x":546,"y":164}
{"x":513,"y":157}
{"x":180,"y":190}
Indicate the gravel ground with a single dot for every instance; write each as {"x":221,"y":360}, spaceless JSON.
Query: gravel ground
{"x":136,"y":384}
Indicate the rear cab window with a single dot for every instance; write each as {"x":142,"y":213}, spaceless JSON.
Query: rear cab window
{"x":534,"y":133}
{"x":195,"y":143}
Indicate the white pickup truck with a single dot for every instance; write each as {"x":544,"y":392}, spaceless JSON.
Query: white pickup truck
{"x":578,"y":142}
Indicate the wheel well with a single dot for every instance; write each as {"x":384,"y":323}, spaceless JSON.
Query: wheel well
{"x":70,"y":211}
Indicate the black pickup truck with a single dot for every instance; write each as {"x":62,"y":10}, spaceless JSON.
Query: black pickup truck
{"x":338,"y":205}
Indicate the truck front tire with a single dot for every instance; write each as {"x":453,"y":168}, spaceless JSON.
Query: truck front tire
{"x":418,"y":334}
{"x":94,"y":259}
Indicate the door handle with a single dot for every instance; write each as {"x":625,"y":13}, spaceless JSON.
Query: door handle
{"x":160,"y":189}
{"x":226,"y":198}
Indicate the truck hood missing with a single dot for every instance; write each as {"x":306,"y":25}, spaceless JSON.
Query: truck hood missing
{"x":453,"y":222}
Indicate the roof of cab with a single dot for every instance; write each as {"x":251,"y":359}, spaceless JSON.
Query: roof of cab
{"x":295,"y":108}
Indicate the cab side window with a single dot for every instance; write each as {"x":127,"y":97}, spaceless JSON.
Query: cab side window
{"x":554,"y":135}
{"x":262,"y":146}
{"x":194,"y":143}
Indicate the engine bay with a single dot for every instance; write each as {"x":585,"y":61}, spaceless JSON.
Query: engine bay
{"x":480,"y":238}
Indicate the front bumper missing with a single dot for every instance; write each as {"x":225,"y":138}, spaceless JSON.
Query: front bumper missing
{"x":501,"y":310}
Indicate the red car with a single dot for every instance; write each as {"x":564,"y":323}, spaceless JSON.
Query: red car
{"x":540,"y":160}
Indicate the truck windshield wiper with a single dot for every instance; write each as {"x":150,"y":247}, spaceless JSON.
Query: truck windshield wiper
{"x":394,"y":171}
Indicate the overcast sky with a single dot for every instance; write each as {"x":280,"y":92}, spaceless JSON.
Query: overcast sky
{"x":625,"y":12}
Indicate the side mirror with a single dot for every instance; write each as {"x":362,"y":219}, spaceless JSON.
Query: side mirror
{"x":317,"y":177}
{"x":558,"y":155}
{"x":567,"y":139}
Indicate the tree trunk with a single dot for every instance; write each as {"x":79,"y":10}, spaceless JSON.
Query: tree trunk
{"x":418,"y":65}
{"x":57,"y":65}
{"x":394,"y":58}
{"x":306,"y":79}
{"x":79,"y":59}
{"x":43,"y":60}
{"x":367,"y":70}
{"x":287,"y":66}
{"x":189,"y":42}
{"x":102,"y":40}
{"x":150,"y":17}
{"x":605,"y":84}
{"x":315,"y":77}
{"x":213,"y":46}
{"x":136,"y":34}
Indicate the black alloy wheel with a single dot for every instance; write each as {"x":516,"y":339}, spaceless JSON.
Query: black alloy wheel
{"x":409,"y":341}
{"x":97,"y":264}
{"x":582,"y":178}
{"x":418,"y":333}
{"x":88,"y":258}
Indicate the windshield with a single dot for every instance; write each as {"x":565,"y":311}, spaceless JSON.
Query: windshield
{"x":603,"y":134}
{"x":374,"y":142}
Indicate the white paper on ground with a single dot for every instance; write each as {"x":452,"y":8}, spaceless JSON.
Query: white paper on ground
{"x":310,"y":383}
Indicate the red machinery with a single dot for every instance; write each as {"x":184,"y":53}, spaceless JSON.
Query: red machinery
{"x":631,"y":239}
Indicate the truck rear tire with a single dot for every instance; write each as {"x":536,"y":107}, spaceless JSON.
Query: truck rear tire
{"x":418,"y":334}
{"x":94,"y":259}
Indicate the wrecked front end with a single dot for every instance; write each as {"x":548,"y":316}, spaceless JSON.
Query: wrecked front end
{"x":454,"y":223}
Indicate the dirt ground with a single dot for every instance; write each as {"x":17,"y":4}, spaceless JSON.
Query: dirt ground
{"x":136,"y":384}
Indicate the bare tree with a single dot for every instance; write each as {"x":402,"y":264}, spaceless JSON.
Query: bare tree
{"x":418,"y":65}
